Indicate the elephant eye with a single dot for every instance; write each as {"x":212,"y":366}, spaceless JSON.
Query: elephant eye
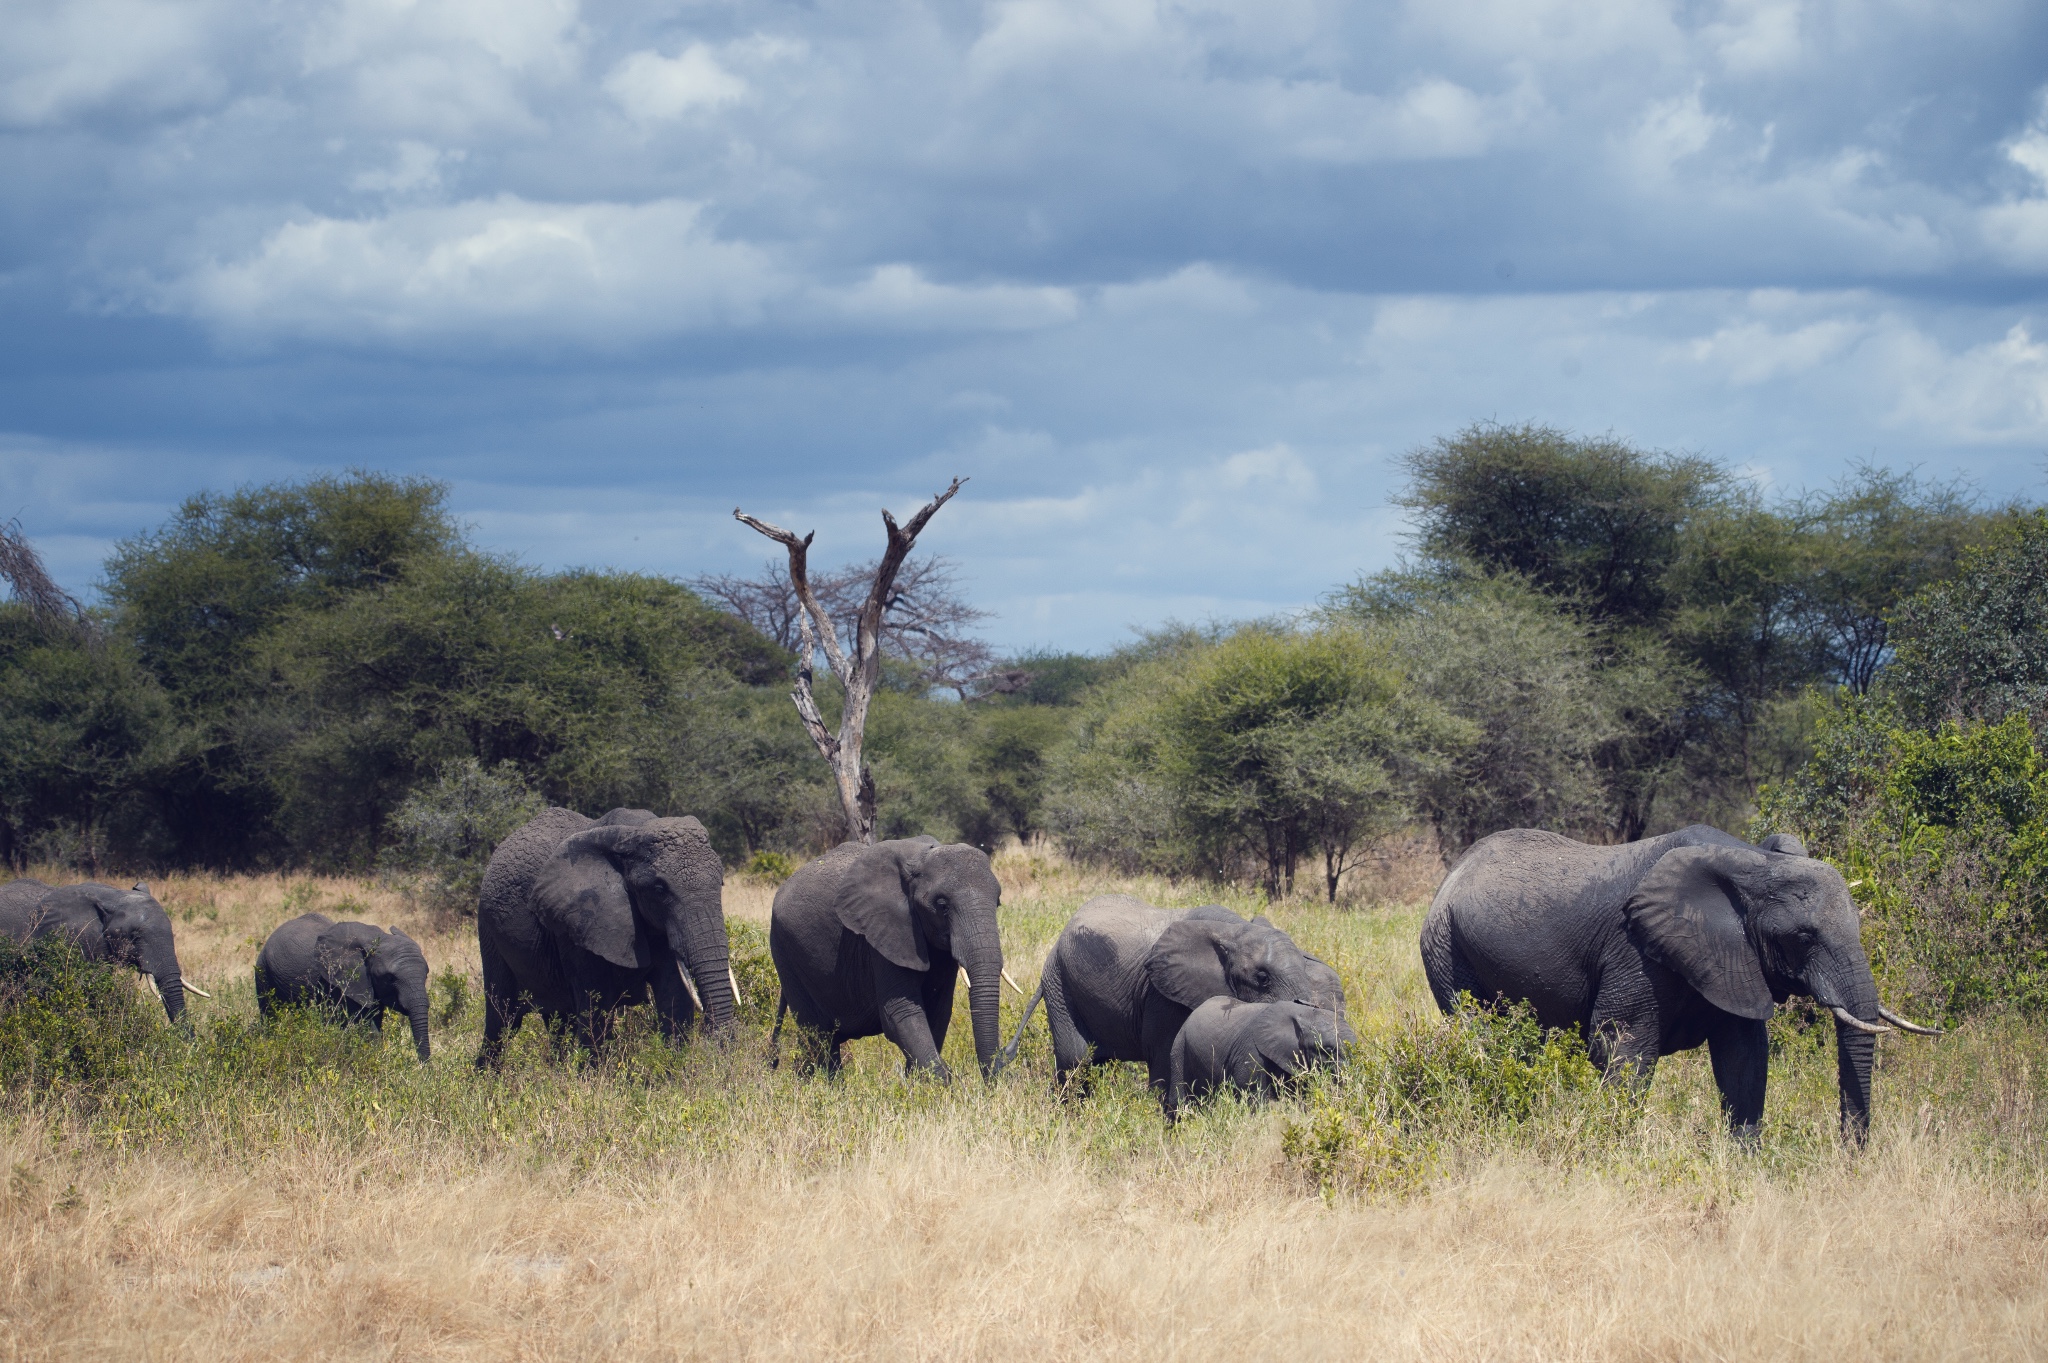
{"x":941,"y":903}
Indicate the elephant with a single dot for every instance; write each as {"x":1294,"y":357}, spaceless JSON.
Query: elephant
{"x":869,"y":939}
{"x":1124,"y":975}
{"x":125,"y":927}
{"x":1652,"y":947}
{"x":356,"y":968}
{"x":581,"y":917}
{"x":1254,"y":1047}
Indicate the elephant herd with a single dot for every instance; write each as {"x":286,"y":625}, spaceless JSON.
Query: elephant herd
{"x":1645,"y":949}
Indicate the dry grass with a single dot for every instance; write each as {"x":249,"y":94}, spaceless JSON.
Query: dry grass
{"x":713,"y":1209}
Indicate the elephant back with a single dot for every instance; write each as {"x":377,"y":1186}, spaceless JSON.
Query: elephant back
{"x":288,"y":966}
{"x":19,"y":900}
{"x":508,"y":879}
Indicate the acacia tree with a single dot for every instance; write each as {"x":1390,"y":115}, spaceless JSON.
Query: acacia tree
{"x":857,"y":673}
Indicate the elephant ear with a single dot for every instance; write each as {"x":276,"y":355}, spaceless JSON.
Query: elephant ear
{"x":874,"y":900}
{"x":587,"y":895}
{"x":1687,"y":913}
{"x":1791,"y":844}
{"x":1186,"y":963}
{"x":344,"y":955}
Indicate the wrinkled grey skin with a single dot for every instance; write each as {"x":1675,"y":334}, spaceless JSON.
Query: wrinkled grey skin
{"x":357,"y":968}
{"x":1256,"y":1048}
{"x":1123,"y":977}
{"x":579,"y":918}
{"x":125,"y":927}
{"x":1656,"y":946}
{"x":869,"y":940}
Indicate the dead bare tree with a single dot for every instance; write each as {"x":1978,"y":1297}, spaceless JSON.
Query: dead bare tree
{"x":22,"y":567}
{"x":925,"y":620}
{"x":857,"y":670}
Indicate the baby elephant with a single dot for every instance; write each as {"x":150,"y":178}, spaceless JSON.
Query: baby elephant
{"x":1256,"y":1047}
{"x":360,"y":969}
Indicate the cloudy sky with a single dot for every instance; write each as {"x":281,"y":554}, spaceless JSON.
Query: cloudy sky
{"x":1175,"y":282}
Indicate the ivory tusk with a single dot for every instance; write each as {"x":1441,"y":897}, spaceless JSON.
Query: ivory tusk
{"x":1844,"y":1016}
{"x":1915,"y":1028}
{"x":735,"y":985}
{"x":150,"y":980}
{"x":192,"y":988}
{"x":1013,"y":984}
{"x":1854,"y":883}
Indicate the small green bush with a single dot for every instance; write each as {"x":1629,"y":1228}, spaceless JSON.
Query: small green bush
{"x":774,"y":867}
{"x":444,"y":832}
{"x":754,"y":970}
{"x":68,"y":1023}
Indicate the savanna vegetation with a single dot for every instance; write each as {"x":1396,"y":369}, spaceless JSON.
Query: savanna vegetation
{"x":322,"y":696}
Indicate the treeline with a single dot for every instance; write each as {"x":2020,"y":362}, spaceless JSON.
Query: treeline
{"x":1588,"y":637}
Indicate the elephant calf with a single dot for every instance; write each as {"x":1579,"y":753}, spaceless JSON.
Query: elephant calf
{"x":355,"y":968}
{"x":125,"y":927}
{"x":1253,"y":1047}
{"x":1124,"y":976}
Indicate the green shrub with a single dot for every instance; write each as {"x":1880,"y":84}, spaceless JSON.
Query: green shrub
{"x":444,"y":831}
{"x":754,"y":971}
{"x":68,"y":1023}
{"x":774,"y":867}
{"x":1944,"y":838}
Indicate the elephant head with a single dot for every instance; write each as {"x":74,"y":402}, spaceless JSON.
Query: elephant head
{"x":1750,"y":928}
{"x":134,"y":931}
{"x":372,"y":970}
{"x":1210,"y":951}
{"x":907,"y":895}
{"x":662,"y":872}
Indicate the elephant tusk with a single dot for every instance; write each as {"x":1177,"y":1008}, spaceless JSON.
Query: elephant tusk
{"x":150,"y":980}
{"x":1013,"y":984}
{"x":192,"y":988}
{"x":1844,"y":1016}
{"x":1915,"y":1028}
{"x":735,"y":985}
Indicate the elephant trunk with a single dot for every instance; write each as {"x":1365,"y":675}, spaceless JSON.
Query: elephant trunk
{"x":981,"y":954}
{"x":172,"y":987}
{"x":708,"y":957}
{"x":1842,"y":983}
{"x":412,"y":1001}
{"x":160,"y":963}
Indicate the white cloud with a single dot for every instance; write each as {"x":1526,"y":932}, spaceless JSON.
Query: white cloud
{"x":900,"y":296}
{"x":2017,"y":229}
{"x":1994,"y":393}
{"x":502,"y":270}
{"x":63,"y":58}
{"x":651,"y":87}
{"x":1756,"y":36}
{"x":1754,"y":352}
{"x":415,"y":166}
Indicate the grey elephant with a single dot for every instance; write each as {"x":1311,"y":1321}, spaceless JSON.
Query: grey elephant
{"x":869,"y":940}
{"x":355,"y":968}
{"x":1656,"y":946}
{"x":579,"y":918}
{"x":1124,"y":975}
{"x":1256,"y":1048}
{"x":124,"y":927}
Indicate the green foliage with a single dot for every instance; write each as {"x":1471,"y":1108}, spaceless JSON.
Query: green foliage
{"x":452,"y":988}
{"x":754,"y":971}
{"x":1408,"y":1089}
{"x":774,"y":867}
{"x":1976,"y":646}
{"x":68,"y":1024}
{"x":444,"y":831}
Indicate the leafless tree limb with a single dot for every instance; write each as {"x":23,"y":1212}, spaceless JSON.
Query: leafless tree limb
{"x":858,"y":673}
{"x":22,"y":567}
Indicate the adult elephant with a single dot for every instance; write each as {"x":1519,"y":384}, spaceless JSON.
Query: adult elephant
{"x":1124,"y":975}
{"x":579,"y":918}
{"x":123,"y":927}
{"x":1656,"y":946}
{"x":357,"y":969}
{"x":1255,"y":1048}
{"x":869,"y":940}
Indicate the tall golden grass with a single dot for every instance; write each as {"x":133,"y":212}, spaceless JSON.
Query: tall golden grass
{"x":336,"y":1204}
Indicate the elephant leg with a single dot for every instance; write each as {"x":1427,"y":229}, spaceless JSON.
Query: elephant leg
{"x":1070,"y":1049}
{"x":938,"y":1006}
{"x":505,"y":1006}
{"x":672,"y":1003}
{"x":1449,"y":973}
{"x":899,"y":1000}
{"x":817,"y":1036}
{"x":1157,"y":1032}
{"x":1624,"y":1033}
{"x":1741,"y":1050}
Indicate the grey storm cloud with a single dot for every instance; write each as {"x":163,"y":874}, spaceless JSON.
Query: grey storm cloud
{"x":1175,"y":282}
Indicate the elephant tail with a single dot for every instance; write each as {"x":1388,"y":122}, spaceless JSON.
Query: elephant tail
{"x":775,"y":1037}
{"x":1009,"y":1052}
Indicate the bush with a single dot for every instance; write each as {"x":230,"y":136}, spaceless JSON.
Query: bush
{"x":774,"y":867}
{"x":754,"y":971}
{"x":67,"y":1023}
{"x":445,"y":832}
{"x":1944,"y":838}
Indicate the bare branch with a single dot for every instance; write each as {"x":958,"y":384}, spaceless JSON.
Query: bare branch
{"x":22,"y":567}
